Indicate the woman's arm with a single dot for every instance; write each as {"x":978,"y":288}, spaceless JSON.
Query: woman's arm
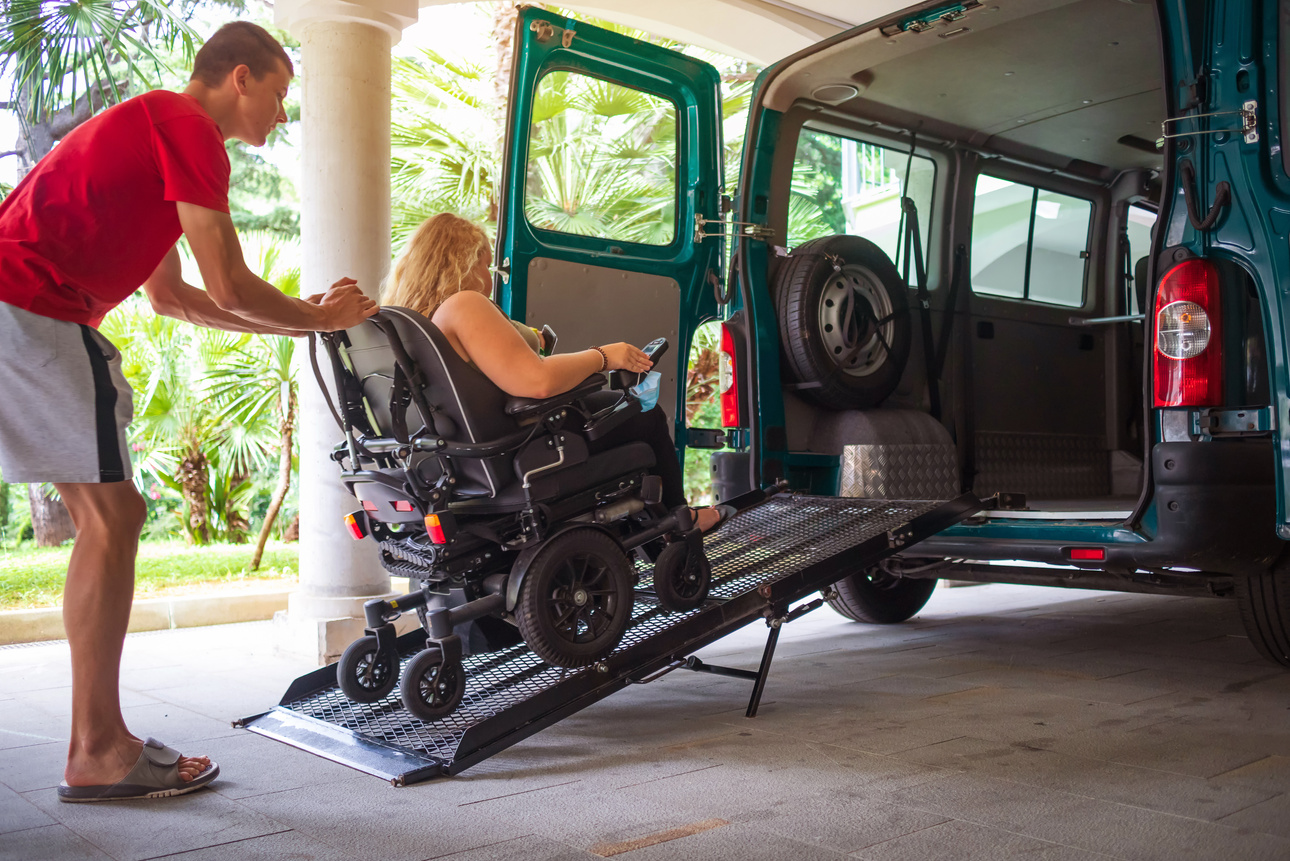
{"x":480,"y":333}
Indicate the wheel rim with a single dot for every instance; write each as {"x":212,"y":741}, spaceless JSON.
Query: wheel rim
{"x":856,"y":320}
{"x":436,"y":685}
{"x":583,"y":599}
{"x":371,"y":673}
{"x":685,"y":578}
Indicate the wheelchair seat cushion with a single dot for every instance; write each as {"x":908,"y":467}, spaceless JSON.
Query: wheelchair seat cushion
{"x":567,"y":481}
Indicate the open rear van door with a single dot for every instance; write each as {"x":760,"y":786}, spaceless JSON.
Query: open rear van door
{"x":612,"y":156}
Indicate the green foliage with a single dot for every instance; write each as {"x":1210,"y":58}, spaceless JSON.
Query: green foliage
{"x":442,"y":134}
{"x":57,"y":52}
{"x":206,"y":406}
{"x":35,"y":577}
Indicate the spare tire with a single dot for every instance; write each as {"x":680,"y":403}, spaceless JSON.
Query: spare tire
{"x":843,"y":322}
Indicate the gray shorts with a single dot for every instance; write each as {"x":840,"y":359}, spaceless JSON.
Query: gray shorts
{"x":64,"y":403}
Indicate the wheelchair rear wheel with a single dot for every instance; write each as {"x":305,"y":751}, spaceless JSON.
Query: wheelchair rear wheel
{"x":364,"y":673}
{"x":431,"y":688}
{"x":682,"y":575}
{"x":576,"y":599}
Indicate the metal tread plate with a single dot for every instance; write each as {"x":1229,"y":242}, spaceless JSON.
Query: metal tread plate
{"x":765,"y":557}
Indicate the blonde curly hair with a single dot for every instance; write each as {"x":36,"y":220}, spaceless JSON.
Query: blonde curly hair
{"x":435,"y":263}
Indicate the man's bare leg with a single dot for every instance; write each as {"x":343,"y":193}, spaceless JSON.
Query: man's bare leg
{"x":96,"y":612}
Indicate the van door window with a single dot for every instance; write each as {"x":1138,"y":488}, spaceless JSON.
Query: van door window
{"x":601,"y":161}
{"x":1028,"y":243}
{"x":842,"y":185}
{"x":1139,"y":225}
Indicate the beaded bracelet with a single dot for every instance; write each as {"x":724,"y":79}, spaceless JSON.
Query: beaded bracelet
{"x":604,"y":358}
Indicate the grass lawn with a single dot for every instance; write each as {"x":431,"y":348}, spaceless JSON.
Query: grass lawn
{"x":34,"y":577}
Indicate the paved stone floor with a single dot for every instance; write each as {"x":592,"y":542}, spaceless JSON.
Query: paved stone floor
{"x":1003,"y":722}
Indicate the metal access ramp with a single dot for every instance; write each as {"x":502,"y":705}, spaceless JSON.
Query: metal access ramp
{"x":775,"y":552}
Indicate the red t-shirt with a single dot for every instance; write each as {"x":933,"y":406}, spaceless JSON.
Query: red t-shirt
{"x":95,"y":217}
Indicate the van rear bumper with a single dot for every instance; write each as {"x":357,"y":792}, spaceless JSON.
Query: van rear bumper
{"x":1214,"y":510}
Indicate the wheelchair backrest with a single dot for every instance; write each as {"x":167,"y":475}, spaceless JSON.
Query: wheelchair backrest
{"x":465,"y":405}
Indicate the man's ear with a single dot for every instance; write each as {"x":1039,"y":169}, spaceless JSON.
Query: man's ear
{"x":241,"y":77}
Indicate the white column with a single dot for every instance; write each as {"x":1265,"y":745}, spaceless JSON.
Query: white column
{"x":345,"y":231}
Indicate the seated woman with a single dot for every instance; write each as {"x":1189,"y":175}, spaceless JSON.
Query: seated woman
{"x":444,"y":274}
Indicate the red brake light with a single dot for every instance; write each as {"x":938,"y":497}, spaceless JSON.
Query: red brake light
{"x":435,"y":529}
{"x":402,"y":505}
{"x":728,"y":381}
{"x":369,"y":505}
{"x":1188,"y":337}
{"x":1088,"y":554}
{"x":355,"y":529}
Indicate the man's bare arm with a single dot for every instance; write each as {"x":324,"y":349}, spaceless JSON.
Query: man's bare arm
{"x":234,"y":288}
{"x":171,"y":296}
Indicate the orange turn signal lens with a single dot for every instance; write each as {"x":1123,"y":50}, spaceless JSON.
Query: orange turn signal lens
{"x":435,"y":529}
{"x":355,"y":528}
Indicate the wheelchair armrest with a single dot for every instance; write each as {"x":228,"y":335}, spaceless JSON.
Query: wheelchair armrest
{"x":607,"y":421}
{"x":522,"y":408}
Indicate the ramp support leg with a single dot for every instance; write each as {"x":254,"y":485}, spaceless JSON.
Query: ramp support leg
{"x":767,"y":655}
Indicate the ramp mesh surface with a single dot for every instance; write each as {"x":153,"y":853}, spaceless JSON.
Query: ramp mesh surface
{"x":780,"y":537}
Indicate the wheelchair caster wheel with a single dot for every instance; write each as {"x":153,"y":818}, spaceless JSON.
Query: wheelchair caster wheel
{"x":431,"y":688}
{"x":364,"y":673}
{"x":576,"y":599}
{"x":682,"y":576}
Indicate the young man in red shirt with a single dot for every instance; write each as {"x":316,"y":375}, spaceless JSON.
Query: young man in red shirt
{"x":96,"y":219}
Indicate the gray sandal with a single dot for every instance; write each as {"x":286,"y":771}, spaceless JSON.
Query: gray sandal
{"x":155,"y":775}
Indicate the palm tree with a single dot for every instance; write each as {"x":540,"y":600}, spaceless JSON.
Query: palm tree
{"x":69,"y":60}
{"x":255,"y":385}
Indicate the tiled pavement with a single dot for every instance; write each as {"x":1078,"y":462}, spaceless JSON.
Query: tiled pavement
{"x":1004,"y":722}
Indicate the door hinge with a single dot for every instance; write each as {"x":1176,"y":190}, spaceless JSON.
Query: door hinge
{"x":927,"y":20}
{"x":1251,"y":421}
{"x":705,"y":438}
{"x":544,"y":31}
{"x":1249,"y":114}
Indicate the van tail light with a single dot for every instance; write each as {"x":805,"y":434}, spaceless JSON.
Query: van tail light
{"x":1188,"y":354}
{"x":727,"y":381}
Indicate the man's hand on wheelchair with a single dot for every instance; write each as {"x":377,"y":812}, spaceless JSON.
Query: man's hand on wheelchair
{"x":626,"y":357}
{"x":344,"y":305}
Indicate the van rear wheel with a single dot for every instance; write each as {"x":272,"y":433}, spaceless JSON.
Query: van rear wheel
{"x":1264,"y":600}
{"x":843,"y":322}
{"x":880,"y":598}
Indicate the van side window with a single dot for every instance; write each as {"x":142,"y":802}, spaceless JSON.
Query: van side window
{"x":1028,"y":243}
{"x":845,"y":186}
{"x":601,"y":161}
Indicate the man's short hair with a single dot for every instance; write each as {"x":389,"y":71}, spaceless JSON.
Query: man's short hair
{"x":236,"y":44}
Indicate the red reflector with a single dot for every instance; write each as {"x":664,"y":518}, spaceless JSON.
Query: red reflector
{"x":369,"y":505}
{"x":727,"y":381}
{"x":1188,"y":337}
{"x":435,"y":529}
{"x":402,"y":505}
{"x":1089,"y":554}
{"x":354,"y":529}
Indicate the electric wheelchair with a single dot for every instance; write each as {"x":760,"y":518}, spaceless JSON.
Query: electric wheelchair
{"x":466,"y":488}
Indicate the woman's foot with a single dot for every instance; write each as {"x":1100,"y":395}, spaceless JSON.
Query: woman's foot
{"x":710,"y":518}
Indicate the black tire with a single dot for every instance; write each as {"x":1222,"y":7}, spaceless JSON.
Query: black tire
{"x":877,"y":597}
{"x":430,"y":688}
{"x":682,"y":576}
{"x":576,"y":599}
{"x":843,"y":322}
{"x":1264,"y":600}
{"x":364,"y":674}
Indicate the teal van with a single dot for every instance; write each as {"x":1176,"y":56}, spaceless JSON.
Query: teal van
{"x":1052,"y":264}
